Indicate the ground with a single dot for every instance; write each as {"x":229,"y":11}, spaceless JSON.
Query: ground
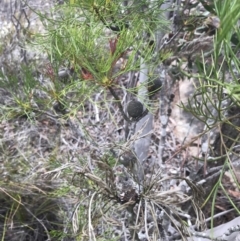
{"x":62,"y":177}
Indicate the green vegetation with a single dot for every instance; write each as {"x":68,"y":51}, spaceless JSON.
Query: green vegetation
{"x":65,"y":127}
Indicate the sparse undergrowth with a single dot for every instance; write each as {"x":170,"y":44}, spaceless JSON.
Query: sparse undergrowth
{"x":66,"y":133}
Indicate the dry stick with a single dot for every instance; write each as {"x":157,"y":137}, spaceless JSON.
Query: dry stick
{"x":162,"y":72}
{"x":221,"y":238}
{"x":131,"y":83}
{"x":145,"y":221}
{"x":90,"y":227}
{"x":163,"y":117}
{"x":96,"y":107}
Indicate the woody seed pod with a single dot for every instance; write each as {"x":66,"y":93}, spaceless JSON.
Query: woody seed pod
{"x":128,"y":159}
{"x":135,"y":108}
{"x":154,"y":85}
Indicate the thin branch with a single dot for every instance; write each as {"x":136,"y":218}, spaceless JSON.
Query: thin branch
{"x":114,"y":94}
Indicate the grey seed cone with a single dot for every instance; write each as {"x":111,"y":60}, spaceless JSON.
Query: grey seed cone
{"x":154,"y":85}
{"x":128,"y":159}
{"x":135,"y":108}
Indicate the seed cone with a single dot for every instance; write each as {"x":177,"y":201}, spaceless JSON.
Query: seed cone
{"x":128,"y":159}
{"x":135,"y":108}
{"x":154,"y":85}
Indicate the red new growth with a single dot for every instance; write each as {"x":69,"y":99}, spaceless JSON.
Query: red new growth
{"x":113,"y":45}
{"x":86,"y":75}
